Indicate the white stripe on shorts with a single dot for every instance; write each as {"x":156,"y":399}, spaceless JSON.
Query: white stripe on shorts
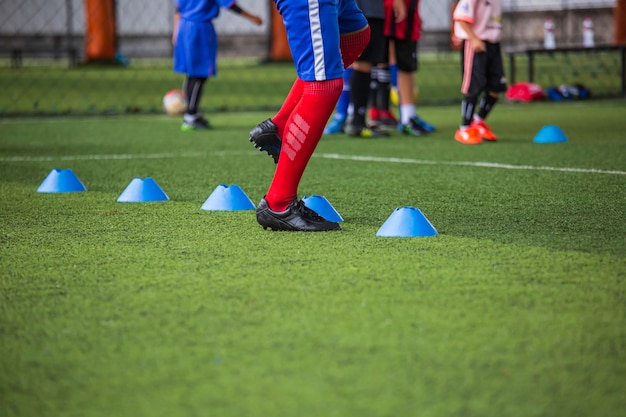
{"x":317,"y":40}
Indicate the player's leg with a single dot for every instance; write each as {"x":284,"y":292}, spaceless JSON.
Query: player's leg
{"x":195,"y":54}
{"x":372,"y":98}
{"x":406,"y":57}
{"x":473,"y":83}
{"x":338,"y":121}
{"x":320,"y":71}
{"x":359,"y":93}
{"x":360,"y":82}
{"x":192,"y":119}
{"x":267,"y":135}
{"x":386,"y":118}
{"x":380,"y":111}
{"x":495,"y":85}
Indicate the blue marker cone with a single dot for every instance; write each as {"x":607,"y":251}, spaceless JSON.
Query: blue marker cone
{"x":142,"y":191}
{"x":322,"y":206}
{"x":226,"y":197}
{"x":406,"y":222}
{"x":61,"y":181}
{"x":550,"y":134}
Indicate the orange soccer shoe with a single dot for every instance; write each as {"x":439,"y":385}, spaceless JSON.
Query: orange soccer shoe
{"x":484,"y":131}
{"x":467,"y":135}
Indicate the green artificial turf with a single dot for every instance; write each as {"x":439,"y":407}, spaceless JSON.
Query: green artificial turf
{"x":47,"y":87}
{"x":516,"y":308}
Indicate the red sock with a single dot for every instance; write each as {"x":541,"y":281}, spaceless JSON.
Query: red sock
{"x":294,"y":96}
{"x":302,"y":133}
{"x":352,"y":45}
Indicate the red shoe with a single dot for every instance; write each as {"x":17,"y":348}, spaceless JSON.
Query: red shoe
{"x":484,"y":131}
{"x":467,"y":135}
{"x":374,"y":114}
{"x":387,"y":114}
{"x":387,"y":121}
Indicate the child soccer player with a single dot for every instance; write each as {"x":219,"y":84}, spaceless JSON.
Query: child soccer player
{"x":362,"y":69}
{"x":325,"y":37}
{"x":195,"y":50}
{"x":404,"y":35}
{"x":478,"y":23}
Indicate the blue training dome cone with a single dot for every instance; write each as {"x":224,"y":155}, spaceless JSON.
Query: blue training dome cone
{"x":550,"y":134}
{"x":61,"y":181}
{"x":226,"y":197}
{"x":322,"y":206}
{"x":406,"y":222}
{"x":142,"y":191}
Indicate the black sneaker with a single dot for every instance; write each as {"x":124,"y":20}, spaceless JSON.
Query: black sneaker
{"x":265,"y":137}
{"x":297,"y":218}
{"x":194,"y":122}
{"x":412,"y":128}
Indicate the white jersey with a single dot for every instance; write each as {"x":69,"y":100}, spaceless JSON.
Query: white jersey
{"x":484,"y":16}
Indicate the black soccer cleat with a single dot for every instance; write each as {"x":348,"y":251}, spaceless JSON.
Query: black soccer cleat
{"x":265,"y":137}
{"x":297,"y":218}
{"x":414,"y":127}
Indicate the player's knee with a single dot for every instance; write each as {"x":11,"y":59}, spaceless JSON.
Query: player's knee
{"x":406,"y":64}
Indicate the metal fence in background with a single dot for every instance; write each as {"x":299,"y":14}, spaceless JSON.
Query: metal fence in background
{"x":46,"y":66}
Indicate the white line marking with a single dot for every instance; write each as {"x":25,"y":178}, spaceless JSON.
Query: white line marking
{"x":360,"y":158}
{"x":466,"y":163}
{"x":100,"y":157}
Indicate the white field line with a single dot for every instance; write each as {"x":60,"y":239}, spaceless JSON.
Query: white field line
{"x":359,"y":158}
{"x":101,"y":157}
{"x":466,"y":163}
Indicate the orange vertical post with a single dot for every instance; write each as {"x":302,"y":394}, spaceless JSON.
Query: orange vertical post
{"x":100,"y":31}
{"x":619,"y":15}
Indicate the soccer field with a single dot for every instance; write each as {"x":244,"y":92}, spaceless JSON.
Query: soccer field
{"x":517,"y":308}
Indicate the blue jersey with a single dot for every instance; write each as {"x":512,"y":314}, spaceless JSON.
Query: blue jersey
{"x":201,"y":10}
{"x":313,"y":31}
{"x":195,"y":51}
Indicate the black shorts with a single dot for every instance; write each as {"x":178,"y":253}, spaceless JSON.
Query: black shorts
{"x":376,"y":51}
{"x":482,"y":71}
{"x":406,"y":55}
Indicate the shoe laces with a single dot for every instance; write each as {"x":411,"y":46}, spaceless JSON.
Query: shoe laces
{"x":268,"y":125}
{"x":305,"y":212}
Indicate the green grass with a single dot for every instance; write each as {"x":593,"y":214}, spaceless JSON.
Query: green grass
{"x":517,"y":308}
{"x":48,"y":87}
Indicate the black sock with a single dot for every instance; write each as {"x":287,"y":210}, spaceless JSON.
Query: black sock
{"x":193,"y":89}
{"x":486,"y":104}
{"x":384,"y":87}
{"x":373,"y":91}
{"x":467,"y":109}
{"x":359,"y":92}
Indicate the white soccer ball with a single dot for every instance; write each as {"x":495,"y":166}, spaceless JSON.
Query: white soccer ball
{"x":174,"y":102}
